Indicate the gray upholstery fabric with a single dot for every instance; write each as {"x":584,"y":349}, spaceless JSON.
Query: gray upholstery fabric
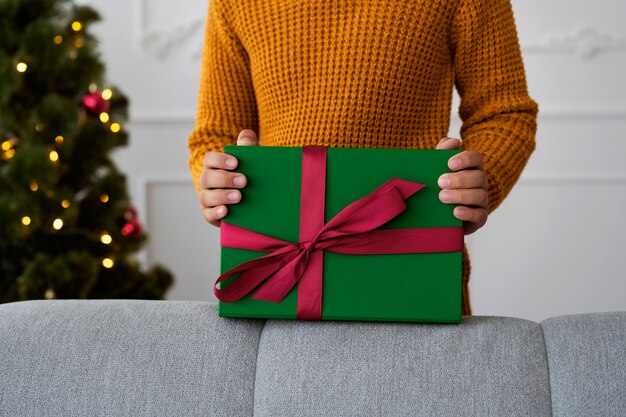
{"x":485,"y":366}
{"x":587,"y":360}
{"x":125,"y":358}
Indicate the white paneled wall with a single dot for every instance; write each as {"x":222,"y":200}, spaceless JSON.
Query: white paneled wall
{"x":555,"y":246}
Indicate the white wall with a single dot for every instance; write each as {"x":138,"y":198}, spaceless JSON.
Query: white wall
{"x":554,"y":246}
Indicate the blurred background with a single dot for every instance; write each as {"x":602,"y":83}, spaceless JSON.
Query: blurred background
{"x":555,"y":246}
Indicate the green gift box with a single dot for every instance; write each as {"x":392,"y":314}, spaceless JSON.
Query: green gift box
{"x":393,"y":287}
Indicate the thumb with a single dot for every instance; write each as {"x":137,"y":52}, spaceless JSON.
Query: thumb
{"x":247,"y":137}
{"x":449,"y":143}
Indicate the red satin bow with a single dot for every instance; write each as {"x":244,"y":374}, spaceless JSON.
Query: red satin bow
{"x":351,"y":231}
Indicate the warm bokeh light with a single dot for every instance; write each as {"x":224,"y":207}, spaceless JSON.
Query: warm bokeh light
{"x":54,"y":156}
{"x":65,"y":203}
{"x":106,"y":238}
{"x":115,"y":127}
{"x":77,"y":26}
{"x":39,"y":127}
{"x":6,"y":145}
{"x":79,"y":42}
{"x":104,"y":117}
{"x":107,"y":94}
{"x":59,"y":139}
{"x":25,"y":220}
{"x":104,"y":198}
{"x":34,"y":186}
{"x":57,"y":224}
{"x":8,"y":154}
{"x":107,"y":263}
{"x":21,"y":67}
{"x":58,"y":39}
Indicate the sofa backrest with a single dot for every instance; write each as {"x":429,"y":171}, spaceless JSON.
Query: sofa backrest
{"x":587,"y":362}
{"x":175,"y":358}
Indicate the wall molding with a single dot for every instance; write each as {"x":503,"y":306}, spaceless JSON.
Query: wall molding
{"x":144,"y":182}
{"x":547,"y":111}
{"x":585,"y":42}
{"x":161,"y":42}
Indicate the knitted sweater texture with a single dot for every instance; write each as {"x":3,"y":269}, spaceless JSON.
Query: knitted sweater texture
{"x":375,"y":74}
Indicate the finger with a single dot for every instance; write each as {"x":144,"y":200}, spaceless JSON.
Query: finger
{"x":473,"y":178}
{"x":213,"y":215}
{"x":219,"y":160}
{"x":449,"y":143}
{"x":214,"y":198}
{"x":473,"y":218}
{"x":247,"y":137}
{"x":465,"y":160}
{"x":218,"y":178}
{"x":472,"y":197}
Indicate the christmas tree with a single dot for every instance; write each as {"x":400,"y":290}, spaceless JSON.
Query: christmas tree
{"x":67,"y":226}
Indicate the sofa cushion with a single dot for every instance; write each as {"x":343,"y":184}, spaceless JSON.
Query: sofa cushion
{"x":485,"y":366}
{"x":587,"y":360}
{"x":125,"y":358}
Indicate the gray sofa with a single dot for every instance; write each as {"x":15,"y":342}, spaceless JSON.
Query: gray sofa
{"x":174,"y":358}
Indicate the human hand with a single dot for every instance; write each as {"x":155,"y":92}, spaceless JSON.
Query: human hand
{"x":220,"y":186}
{"x":467,"y":186}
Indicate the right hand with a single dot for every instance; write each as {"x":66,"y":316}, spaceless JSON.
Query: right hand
{"x":220,"y":186}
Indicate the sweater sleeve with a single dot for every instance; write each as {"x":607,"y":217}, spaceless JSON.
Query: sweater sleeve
{"x":226,"y":101}
{"x":499,"y":117}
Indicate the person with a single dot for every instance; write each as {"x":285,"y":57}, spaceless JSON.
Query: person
{"x":365,"y":74}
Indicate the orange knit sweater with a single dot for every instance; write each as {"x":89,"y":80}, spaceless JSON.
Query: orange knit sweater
{"x":356,"y":73}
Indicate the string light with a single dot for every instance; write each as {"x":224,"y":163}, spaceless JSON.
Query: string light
{"x":25,"y":220}
{"x":39,"y":127}
{"x":77,"y":26}
{"x":50,"y":294}
{"x":59,"y":139}
{"x":104,"y":117}
{"x":107,"y":263}
{"x":8,"y":154}
{"x":72,"y":53}
{"x":115,"y":127}
{"x":93,"y":87}
{"x":57,"y":224}
{"x":106,"y":238}
{"x":107,"y":94}
{"x":6,"y":145}
{"x":104,"y":198}
{"x":54,"y":156}
{"x":79,"y":42}
{"x":21,"y":67}
{"x":58,"y":39}
{"x":34,"y":186}
{"x":65,"y":203}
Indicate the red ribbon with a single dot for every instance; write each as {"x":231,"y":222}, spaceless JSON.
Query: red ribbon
{"x":351,"y":231}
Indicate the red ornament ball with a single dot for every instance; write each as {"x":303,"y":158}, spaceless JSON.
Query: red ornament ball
{"x":132,"y":229}
{"x":130,"y":214}
{"x":94,"y":104}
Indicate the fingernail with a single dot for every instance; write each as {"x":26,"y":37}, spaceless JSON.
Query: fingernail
{"x":445,"y":196}
{"x":455,"y":163}
{"x":234,"y":196}
{"x":220,"y":211}
{"x":458,"y":212}
{"x":231,"y":163}
{"x":239,"y":180}
{"x":444,"y":181}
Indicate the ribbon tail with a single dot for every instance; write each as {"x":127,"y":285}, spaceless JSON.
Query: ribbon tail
{"x":279,"y":284}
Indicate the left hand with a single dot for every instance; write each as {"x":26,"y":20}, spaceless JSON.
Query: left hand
{"x":467,"y":186}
